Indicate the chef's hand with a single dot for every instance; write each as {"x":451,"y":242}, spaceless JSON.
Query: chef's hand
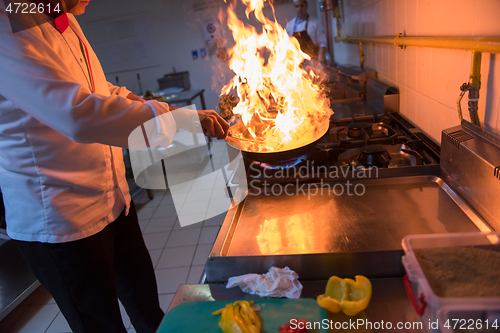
{"x":135,"y":98}
{"x":213,"y":125}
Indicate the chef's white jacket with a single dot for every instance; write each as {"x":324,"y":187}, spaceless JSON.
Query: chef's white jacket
{"x":61,"y":165}
{"x":314,"y":30}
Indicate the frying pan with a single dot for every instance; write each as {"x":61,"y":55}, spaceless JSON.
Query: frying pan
{"x":274,"y":157}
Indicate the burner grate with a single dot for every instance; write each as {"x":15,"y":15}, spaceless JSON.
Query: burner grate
{"x":403,"y":148}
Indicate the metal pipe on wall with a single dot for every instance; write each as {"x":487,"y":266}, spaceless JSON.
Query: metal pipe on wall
{"x":479,"y":44}
{"x":475,"y":44}
{"x":474,"y":86}
{"x":361,"y":55}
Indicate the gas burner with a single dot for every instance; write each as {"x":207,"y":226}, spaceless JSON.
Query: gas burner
{"x":387,"y":142}
{"x":356,"y":130}
{"x":284,"y":164}
{"x":374,"y":155}
{"x":359,"y":134}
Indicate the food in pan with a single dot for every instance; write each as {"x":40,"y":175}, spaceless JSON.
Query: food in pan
{"x":226,"y":105}
{"x":346,"y":295}
{"x":239,"y":317}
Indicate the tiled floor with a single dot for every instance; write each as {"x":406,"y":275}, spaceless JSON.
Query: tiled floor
{"x":178,"y":253}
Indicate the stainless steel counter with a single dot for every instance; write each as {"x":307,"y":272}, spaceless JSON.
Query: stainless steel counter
{"x":327,"y":223}
{"x":345,"y":235}
{"x":389,"y":302}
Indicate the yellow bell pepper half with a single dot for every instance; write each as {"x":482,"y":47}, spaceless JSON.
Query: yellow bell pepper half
{"x":346,"y":295}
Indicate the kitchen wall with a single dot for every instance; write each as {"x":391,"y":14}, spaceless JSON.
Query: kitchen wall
{"x":177,"y":29}
{"x":428,"y":79}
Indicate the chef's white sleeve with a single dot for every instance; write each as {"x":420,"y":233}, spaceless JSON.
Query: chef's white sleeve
{"x":36,"y":80}
{"x":116,"y":90}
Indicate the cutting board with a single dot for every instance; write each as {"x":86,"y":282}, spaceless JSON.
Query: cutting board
{"x":197,"y":317}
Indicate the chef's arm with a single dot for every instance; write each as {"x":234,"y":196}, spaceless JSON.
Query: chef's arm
{"x":38,"y":82}
{"x":136,"y":98}
{"x":124,"y":92}
{"x":213,"y":124}
{"x":116,"y":90}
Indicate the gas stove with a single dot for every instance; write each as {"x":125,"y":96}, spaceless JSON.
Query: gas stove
{"x":326,"y":210}
{"x":386,"y":145}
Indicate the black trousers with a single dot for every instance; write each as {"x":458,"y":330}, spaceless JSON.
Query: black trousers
{"x":87,"y":277}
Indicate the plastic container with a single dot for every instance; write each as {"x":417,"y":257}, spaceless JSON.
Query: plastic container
{"x":456,"y":318}
{"x":426,"y":303}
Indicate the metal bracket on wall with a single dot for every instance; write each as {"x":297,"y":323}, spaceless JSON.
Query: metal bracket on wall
{"x":497,"y":172}
{"x":456,"y":138}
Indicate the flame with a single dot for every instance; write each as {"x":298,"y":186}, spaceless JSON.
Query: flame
{"x":280,"y":105}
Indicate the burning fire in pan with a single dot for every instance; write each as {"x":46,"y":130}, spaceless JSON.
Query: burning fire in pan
{"x":280,"y":103}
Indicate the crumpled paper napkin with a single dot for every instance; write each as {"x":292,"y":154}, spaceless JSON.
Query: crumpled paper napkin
{"x":277,"y":282}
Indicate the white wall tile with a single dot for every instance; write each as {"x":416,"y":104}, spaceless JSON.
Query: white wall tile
{"x":461,"y":17}
{"x":452,"y":117}
{"x":486,"y":20}
{"x":428,"y":76}
{"x":392,"y":61}
{"x":384,"y":20}
{"x":423,"y":113}
{"x":383,"y":59}
{"x":402,"y":96}
{"x":411,"y":18}
{"x":354,"y":26}
{"x":440,"y":18}
{"x":401,"y":66}
{"x":373,"y":55}
{"x":424,"y":70}
{"x":400,"y":16}
{"x":392,"y":17}
{"x":364,"y":21}
{"x":410,"y":109}
{"x":440,"y":66}
{"x":424,"y":19}
{"x":411,"y":67}
{"x":371,"y":23}
{"x":375,"y":12}
{"x":459,"y":63}
{"x":437,"y":119}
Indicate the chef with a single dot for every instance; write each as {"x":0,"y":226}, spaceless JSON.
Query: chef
{"x":308,"y":31}
{"x":68,"y":207}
